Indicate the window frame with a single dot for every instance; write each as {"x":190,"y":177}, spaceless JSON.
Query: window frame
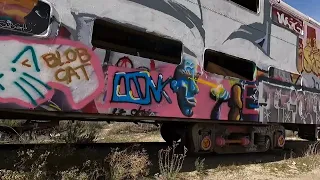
{"x":219,"y":53}
{"x":156,"y":39}
{"x":247,"y":9}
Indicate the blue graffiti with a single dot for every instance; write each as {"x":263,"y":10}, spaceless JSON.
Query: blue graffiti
{"x":185,"y":86}
{"x":157,"y":90}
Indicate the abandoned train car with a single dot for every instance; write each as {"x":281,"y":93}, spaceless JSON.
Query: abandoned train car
{"x":223,"y":76}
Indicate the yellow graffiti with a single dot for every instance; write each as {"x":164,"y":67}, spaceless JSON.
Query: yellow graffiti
{"x":216,"y":89}
{"x":55,"y":106}
{"x":202,"y":81}
{"x":300,"y":56}
{"x":311,"y":58}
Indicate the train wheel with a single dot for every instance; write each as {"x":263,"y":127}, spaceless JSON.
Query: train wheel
{"x":169,"y":133}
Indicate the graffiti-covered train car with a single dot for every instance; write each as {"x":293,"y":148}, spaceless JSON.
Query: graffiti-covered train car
{"x":221,"y":75}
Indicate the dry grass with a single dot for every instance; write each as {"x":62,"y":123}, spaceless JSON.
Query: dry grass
{"x":285,"y":169}
{"x":130,"y":132}
{"x":67,"y":131}
{"x":130,"y":163}
{"x":131,"y":128}
{"x":76,"y":132}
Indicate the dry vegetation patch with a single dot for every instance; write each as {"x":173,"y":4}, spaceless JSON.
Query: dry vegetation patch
{"x":133,"y":163}
{"x":130,"y":132}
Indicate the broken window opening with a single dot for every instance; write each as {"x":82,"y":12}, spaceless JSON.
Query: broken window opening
{"x":227,"y":65}
{"x":123,"y":39}
{"x":252,"y":5}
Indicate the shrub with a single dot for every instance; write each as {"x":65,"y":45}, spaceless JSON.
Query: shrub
{"x":77,"y":132}
{"x":170,"y":163}
{"x":128,"y":164}
{"x":34,"y":167}
{"x":200,"y":168}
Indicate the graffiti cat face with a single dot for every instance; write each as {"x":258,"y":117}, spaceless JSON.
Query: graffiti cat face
{"x":185,"y":86}
{"x":32,"y":71}
{"x":21,"y":78}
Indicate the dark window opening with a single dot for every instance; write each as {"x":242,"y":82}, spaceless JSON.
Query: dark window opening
{"x":226,"y":65}
{"x":119,"y":38}
{"x":284,"y":76}
{"x":252,"y":5}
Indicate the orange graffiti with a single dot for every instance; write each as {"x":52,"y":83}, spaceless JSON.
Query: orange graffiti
{"x":65,"y":74}
{"x":25,"y":63}
{"x":310,"y":54}
{"x":54,"y":59}
{"x":17,"y":9}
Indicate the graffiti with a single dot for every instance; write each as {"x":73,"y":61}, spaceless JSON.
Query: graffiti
{"x":288,"y":105}
{"x":7,"y":24}
{"x":132,"y":78}
{"x":26,"y":63}
{"x":308,"y":62}
{"x":133,"y":112}
{"x":250,"y":98}
{"x":311,"y":61}
{"x":29,"y":82}
{"x":65,"y":74}
{"x":119,"y":112}
{"x":234,"y":100}
{"x":185,"y":86}
{"x":152,"y":66}
{"x":124,"y":62}
{"x":241,"y":100}
{"x":142,"y":112}
{"x":287,"y":21}
{"x":50,"y":106}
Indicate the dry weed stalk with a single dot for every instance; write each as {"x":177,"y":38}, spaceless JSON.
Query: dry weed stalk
{"x":200,"y":168}
{"x":170,"y":163}
{"x":312,"y":149}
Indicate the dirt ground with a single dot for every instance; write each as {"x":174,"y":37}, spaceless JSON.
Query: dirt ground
{"x":253,"y":173}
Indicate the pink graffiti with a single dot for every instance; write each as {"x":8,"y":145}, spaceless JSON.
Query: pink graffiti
{"x":165,"y":108}
{"x":78,"y":103}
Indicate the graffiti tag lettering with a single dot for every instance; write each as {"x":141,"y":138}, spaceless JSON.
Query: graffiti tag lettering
{"x":9,"y":25}
{"x":287,"y":21}
{"x":132,"y":78}
{"x":28,"y":77}
{"x":53,"y":60}
{"x":133,"y":112}
{"x":288,"y":105}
